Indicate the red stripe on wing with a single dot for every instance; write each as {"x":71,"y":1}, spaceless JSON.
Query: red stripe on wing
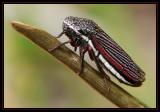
{"x":118,"y":58}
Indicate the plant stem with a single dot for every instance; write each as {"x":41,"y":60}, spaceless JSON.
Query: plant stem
{"x":116,"y":94}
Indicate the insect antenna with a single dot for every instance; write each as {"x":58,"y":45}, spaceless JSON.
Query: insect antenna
{"x":52,"y":49}
{"x":60,"y":35}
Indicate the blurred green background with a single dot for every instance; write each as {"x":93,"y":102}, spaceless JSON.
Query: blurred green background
{"x":33,"y":78}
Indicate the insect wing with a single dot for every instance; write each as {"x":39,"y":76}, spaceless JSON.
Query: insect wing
{"x":107,"y":46}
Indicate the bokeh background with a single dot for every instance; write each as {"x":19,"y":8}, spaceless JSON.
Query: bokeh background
{"x":33,"y":78}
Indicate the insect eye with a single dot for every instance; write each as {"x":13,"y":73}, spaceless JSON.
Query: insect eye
{"x":84,"y":32}
{"x":81,"y":31}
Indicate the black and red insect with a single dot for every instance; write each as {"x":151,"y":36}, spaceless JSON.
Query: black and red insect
{"x":89,"y":37}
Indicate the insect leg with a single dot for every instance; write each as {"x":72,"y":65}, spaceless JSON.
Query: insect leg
{"x":52,"y":49}
{"x":75,"y":49}
{"x":99,"y":66}
{"x":82,"y":51}
{"x":96,"y":61}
